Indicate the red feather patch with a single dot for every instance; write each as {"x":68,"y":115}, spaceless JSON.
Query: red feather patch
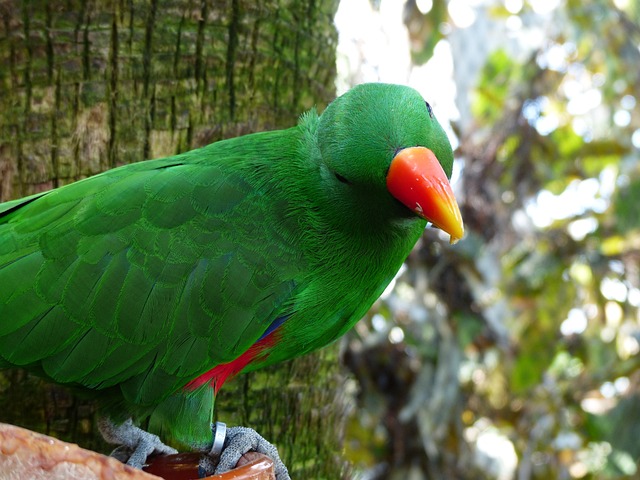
{"x":223,"y":372}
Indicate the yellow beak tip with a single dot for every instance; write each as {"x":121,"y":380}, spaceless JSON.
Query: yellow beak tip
{"x":453,"y":239}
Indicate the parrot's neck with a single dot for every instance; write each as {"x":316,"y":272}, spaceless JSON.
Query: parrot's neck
{"x":354,"y":241}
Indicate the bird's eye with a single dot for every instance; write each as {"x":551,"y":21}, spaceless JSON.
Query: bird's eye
{"x":342,"y":179}
{"x":429,"y":109}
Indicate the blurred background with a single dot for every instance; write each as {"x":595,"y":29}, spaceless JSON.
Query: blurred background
{"x":514,"y":353}
{"x":510,"y":355}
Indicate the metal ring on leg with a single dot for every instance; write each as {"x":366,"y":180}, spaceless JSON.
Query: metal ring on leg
{"x":219,"y":436}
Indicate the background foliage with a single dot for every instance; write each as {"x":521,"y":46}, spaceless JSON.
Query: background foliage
{"x":514,"y":354}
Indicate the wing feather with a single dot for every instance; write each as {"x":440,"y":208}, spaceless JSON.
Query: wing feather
{"x":25,"y":343}
{"x":154,"y":272}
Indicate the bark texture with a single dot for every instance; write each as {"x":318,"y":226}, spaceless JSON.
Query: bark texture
{"x":91,"y":84}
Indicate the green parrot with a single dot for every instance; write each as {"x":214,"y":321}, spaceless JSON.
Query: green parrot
{"x":151,"y":284}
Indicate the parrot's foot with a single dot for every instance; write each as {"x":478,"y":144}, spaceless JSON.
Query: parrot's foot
{"x":135,"y":444}
{"x":226,"y":452}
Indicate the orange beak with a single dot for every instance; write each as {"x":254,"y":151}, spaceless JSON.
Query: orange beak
{"x":417,"y":179}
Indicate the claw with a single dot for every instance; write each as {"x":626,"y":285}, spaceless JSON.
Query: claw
{"x":241,"y":440}
{"x":135,"y":444}
{"x":226,"y":452}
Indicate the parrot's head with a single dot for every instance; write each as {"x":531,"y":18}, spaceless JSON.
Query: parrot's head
{"x":380,"y":144}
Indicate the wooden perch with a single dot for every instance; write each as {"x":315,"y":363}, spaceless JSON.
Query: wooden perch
{"x":26,"y":454}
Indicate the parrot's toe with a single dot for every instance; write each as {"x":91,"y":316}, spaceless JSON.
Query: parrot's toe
{"x":238,"y":441}
{"x":136,"y":445}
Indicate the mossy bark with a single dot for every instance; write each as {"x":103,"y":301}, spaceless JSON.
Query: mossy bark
{"x":87,"y":85}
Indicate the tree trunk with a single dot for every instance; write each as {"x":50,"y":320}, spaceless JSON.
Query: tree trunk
{"x":87,"y":85}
